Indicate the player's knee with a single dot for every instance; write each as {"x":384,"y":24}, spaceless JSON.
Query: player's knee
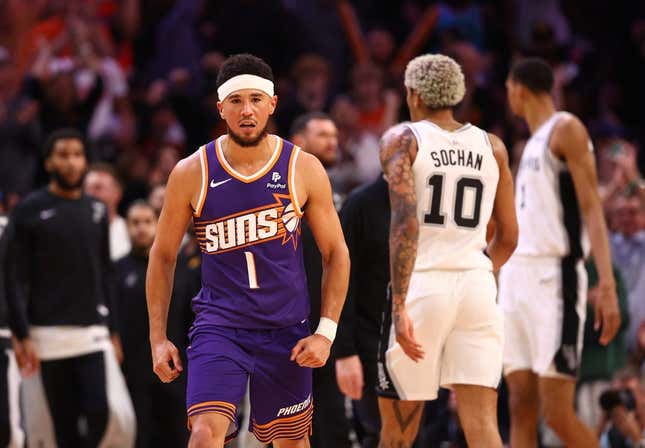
{"x":523,"y":405}
{"x":478,"y":424}
{"x":204,"y":435}
{"x":558,"y":415}
{"x":288,"y":443}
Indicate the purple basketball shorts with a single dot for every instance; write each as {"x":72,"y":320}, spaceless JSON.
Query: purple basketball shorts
{"x":220,"y":362}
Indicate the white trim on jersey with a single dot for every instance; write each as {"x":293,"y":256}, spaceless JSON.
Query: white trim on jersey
{"x":272,"y":160}
{"x":203,"y":162}
{"x":292,"y":180}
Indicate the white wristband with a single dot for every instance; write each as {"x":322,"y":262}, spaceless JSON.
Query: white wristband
{"x":327,"y":328}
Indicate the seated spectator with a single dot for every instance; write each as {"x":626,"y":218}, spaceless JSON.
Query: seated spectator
{"x":628,"y":250}
{"x":103,"y":183}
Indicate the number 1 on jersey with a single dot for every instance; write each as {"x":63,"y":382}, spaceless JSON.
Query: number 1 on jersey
{"x":250,"y":266}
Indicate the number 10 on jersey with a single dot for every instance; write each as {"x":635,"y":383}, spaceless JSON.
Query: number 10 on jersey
{"x":437,"y":217}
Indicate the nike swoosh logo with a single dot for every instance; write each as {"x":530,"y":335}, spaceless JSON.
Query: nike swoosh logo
{"x":46,"y":214}
{"x":217,"y":184}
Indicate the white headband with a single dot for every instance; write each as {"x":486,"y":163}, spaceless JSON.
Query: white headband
{"x":240,"y":82}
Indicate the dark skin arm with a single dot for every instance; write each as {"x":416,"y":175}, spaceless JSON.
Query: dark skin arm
{"x":504,"y":230}
{"x":398,"y":150}
{"x":571,"y":143}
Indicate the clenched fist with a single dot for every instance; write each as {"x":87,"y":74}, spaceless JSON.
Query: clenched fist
{"x":311,"y":351}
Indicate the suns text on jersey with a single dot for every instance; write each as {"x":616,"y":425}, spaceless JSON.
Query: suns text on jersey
{"x":246,"y":228}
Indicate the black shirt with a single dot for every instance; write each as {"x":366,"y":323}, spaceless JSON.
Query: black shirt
{"x":58,"y":262}
{"x":132,"y":321}
{"x":4,"y":220}
{"x":365,"y":218}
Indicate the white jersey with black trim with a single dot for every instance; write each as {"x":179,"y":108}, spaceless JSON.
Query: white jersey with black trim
{"x":548,"y":216}
{"x":455,"y":177}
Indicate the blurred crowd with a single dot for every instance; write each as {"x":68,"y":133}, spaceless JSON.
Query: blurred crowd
{"x":137,"y":78}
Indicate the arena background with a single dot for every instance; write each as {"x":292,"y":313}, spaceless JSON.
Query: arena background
{"x":137,"y":77}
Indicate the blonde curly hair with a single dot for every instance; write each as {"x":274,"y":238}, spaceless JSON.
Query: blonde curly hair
{"x":437,"y":79}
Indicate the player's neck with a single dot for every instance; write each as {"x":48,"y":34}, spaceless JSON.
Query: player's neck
{"x":443,"y":118}
{"x":238,"y":155}
{"x":55,"y":189}
{"x":538,"y":110}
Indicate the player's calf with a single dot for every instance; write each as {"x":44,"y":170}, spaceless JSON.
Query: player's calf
{"x":477,"y":409}
{"x":523,"y":405}
{"x":557,"y":398}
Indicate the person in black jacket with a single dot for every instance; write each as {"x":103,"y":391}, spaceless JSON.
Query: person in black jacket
{"x":10,"y":432}
{"x":59,"y":281}
{"x":365,"y":218}
{"x":159,"y":408}
{"x":316,"y":133}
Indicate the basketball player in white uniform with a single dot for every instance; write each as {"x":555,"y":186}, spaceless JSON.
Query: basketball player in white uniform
{"x":543,"y":287}
{"x":446,"y":181}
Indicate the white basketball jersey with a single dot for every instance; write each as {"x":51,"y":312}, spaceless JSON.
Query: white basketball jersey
{"x":455,"y":176}
{"x":549,"y":219}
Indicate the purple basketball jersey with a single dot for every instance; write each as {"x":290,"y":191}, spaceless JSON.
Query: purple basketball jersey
{"x":248,"y":228}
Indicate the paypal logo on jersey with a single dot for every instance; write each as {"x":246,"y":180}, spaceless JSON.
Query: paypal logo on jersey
{"x":274,"y":184}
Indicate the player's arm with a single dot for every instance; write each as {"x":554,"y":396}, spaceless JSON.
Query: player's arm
{"x":175,"y":217}
{"x":398,"y":149}
{"x":570,"y":141}
{"x":323,"y":221}
{"x":17,"y":270}
{"x":504,"y":239}
{"x":349,"y":370}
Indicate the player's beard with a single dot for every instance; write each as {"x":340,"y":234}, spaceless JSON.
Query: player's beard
{"x":64,"y":184}
{"x":244,"y":142}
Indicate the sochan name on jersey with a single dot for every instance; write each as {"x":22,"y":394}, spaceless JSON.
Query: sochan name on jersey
{"x":242,"y":230}
{"x":295,"y":408}
{"x":458,"y":157}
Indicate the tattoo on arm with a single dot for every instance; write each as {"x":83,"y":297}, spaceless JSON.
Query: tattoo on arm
{"x":404,"y":227}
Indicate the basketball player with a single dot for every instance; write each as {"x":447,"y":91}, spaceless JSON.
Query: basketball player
{"x":446,"y":180}
{"x":11,"y":434}
{"x":246,"y":192}
{"x":59,"y":279}
{"x":544,"y":317}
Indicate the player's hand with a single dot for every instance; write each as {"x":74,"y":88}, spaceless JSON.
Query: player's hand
{"x":349,"y":376}
{"x":118,"y":348}
{"x":404,"y":329}
{"x":26,"y":356}
{"x":607,"y":313}
{"x":311,"y":351}
{"x":163,"y":353}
